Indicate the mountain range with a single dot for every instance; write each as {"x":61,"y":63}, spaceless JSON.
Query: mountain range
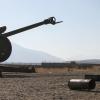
{"x":89,"y":61}
{"x":23,"y":55}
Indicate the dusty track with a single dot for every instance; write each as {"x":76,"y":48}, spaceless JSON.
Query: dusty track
{"x":28,"y":86}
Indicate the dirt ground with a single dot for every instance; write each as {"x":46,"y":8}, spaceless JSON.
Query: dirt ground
{"x":32,"y":86}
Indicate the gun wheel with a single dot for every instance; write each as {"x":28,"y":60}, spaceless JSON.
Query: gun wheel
{"x":5,"y":48}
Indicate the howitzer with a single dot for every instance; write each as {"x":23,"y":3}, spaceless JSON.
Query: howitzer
{"x":5,"y":44}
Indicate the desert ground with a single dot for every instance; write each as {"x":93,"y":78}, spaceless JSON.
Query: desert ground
{"x":35,"y":86}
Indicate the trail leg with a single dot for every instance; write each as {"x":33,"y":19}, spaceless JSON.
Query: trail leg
{"x":1,"y":74}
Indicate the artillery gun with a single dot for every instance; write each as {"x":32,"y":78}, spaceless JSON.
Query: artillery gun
{"x":5,"y":44}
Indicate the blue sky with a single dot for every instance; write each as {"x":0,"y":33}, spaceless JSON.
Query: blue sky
{"x":78,"y":37}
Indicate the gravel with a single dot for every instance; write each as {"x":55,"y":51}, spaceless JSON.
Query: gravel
{"x":29,"y":86}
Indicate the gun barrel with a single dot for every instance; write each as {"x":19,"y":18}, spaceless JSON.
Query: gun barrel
{"x":22,"y":29}
{"x":51,"y":20}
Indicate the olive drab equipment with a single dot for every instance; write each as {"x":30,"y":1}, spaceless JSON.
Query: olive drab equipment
{"x":5,"y":44}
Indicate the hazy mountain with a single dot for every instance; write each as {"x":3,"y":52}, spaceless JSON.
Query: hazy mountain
{"x":22,"y":55}
{"x":90,"y":61}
